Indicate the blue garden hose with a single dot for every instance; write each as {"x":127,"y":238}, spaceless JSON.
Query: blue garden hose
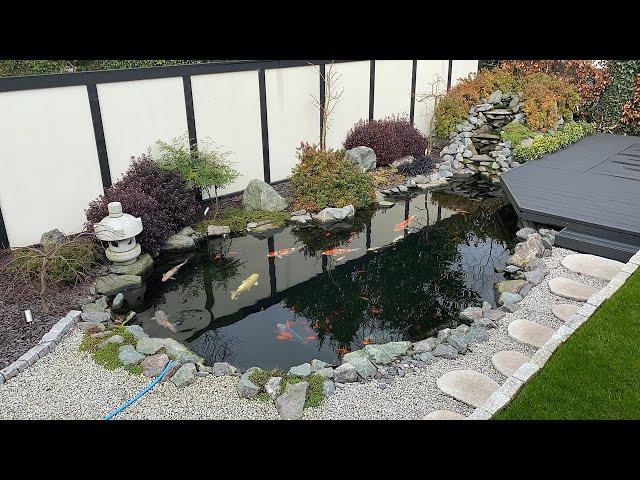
{"x":153,"y":383}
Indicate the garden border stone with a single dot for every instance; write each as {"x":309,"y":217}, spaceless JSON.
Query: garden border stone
{"x":509,"y":389}
{"x":46,"y":344}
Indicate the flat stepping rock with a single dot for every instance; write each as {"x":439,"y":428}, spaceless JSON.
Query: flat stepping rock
{"x":444,"y":415}
{"x":567,"y":288}
{"x":592,"y":265}
{"x":564,"y":311}
{"x":508,"y":361}
{"x":529,"y":332}
{"x":467,"y":386}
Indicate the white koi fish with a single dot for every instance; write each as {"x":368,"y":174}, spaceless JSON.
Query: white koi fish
{"x":169,"y":275}
{"x":249,"y":282}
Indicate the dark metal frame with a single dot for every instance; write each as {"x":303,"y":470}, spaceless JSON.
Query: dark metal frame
{"x":91,"y":79}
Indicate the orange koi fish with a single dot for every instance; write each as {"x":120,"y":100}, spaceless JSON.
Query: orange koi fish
{"x":310,"y":337}
{"x":404,"y":224}
{"x":339,"y":251}
{"x":368,"y":341}
{"x":284,"y":336}
{"x":272,"y":254}
{"x":283,"y":252}
{"x":341,"y":351}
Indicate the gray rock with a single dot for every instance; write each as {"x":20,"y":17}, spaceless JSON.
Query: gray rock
{"x":511,"y":307}
{"x":301,"y":370}
{"x":272,"y":387}
{"x":331,"y":214}
{"x":360,"y":360}
{"x":95,"y":317}
{"x":486,"y":323}
{"x":445,"y":351}
{"x":363,"y":157}
{"x":426,"y":357}
{"x":318,"y":365}
{"x":302,"y":211}
{"x":443,"y":334}
{"x":178,"y":242}
{"x":325,"y":372}
{"x":291,"y":403}
{"x":345,"y":373}
{"x":425,"y":345}
{"x":306,"y":218}
{"x":494,"y":314}
{"x":524,"y":233}
{"x":52,"y":238}
{"x":459,"y":341}
{"x":136,"y":331}
{"x":218,"y":230}
{"x":152,"y":366}
{"x":396,"y":349}
{"x":328,"y":388}
{"x":128,"y":355}
{"x":140,"y":267}
{"x":406,"y":160}
{"x":511,"y":269}
{"x":113,"y":284}
{"x":149,"y":346}
{"x":378,"y":355}
{"x":89,"y":328}
{"x":184,"y":376}
{"x":246,"y":388}
{"x":223,"y":368}
{"x":494,"y":98}
{"x":508,"y":297}
{"x":117,"y":339}
{"x":471,"y":313}
{"x":526,"y":252}
{"x":179,"y":351}
{"x":118,"y":302}
{"x":259,"y":195}
{"x":477,"y":333}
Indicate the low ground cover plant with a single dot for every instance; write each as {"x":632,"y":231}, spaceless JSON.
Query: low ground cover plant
{"x":237,"y":218}
{"x":329,"y":179}
{"x":105,"y":353}
{"x":314,"y":394}
{"x":390,"y":138}
{"x":551,"y":141}
{"x":515,"y":132}
{"x":161,"y":198}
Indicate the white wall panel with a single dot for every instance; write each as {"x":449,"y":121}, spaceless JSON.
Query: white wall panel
{"x":462,"y":68}
{"x":48,"y":162}
{"x":292,"y":115}
{"x":227,"y":111}
{"x":354,"y":79}
{"x":392,"y":94}
{"x":136,"y":114}
{"x":428,"y":71}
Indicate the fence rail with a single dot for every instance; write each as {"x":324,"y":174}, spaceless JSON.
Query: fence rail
{"x":64,"y":138}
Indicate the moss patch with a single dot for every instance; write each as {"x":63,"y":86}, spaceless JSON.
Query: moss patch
{"x":237,"y":218}
{"x":314,"y":394}
{"x":107,"y":356}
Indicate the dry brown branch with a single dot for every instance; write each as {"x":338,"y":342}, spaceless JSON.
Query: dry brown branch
{"x":434,"y":93}
{"x":332,"y":96}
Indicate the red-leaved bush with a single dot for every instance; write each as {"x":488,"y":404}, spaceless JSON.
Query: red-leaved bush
{"x":160,"y":198}
{"x":390,"y":139}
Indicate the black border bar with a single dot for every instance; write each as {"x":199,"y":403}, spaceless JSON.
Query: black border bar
{"x":412,"y":108}
{"x":449,"y":75}
{"x":265,"y":126}
{"x":191,"y":120}
{"x":372,"y":87}
{"x":98,"y":130}
{"x":4,"y":238}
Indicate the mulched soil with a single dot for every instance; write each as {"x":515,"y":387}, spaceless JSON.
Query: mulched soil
{"x":16,"y":335}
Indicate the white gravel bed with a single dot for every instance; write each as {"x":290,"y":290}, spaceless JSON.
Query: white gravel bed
{"x":67,"y":384}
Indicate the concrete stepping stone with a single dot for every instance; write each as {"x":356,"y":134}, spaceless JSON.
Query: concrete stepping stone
{"x":444,"y":415}
{"x":467,"y":386}
{"x":592,"y":265}
{"x":508,"y":361}
{"x":567,"y":288}
{"x":529,"y":332}
{"x":564,"y":311}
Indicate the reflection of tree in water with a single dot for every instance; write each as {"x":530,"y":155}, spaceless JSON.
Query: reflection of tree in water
{"x":214,"y":346}
{"x":408,"y":289}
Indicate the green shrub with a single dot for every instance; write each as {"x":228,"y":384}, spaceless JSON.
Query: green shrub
{"x":515,"y":132}
{"x":237,"y":218}
{"x":607,"y":111}
{"x":550,"y":142}
{"x":329,"y":179}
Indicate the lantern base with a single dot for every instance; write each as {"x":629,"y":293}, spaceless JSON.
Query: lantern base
{"x":124,"y":258}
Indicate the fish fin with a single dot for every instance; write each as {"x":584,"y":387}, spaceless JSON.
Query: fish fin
{"x":233,"y":295}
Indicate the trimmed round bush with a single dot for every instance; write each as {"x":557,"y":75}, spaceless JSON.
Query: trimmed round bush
{"x":329,"y":179}
{"x":390,"y":138}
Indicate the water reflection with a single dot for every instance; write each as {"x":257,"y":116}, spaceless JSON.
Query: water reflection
{"x":309,"y":305}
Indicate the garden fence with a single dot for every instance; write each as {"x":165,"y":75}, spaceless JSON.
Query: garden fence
{"x":64,"y":138}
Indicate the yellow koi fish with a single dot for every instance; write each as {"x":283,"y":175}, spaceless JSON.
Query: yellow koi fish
{"x":249,"y":282}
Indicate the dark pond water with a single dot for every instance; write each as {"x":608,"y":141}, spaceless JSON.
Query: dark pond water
{"x":395,"y":283}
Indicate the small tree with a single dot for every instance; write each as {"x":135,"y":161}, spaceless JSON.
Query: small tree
{"x":433,"y":93}
{"x":332,"y":96}
{"x":204,"y":168}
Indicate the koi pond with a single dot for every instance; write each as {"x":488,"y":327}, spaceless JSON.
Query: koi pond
{"x":393,"y":273}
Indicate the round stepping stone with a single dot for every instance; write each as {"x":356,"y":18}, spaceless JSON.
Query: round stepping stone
{"x":564,"y":311}
{"x":567,"y":288}
{"x":529,"y":332}
{"x":508,"y":361}
{"x":592,"y":265}
{"x":467,"y":386}
{"x":443,"y":415}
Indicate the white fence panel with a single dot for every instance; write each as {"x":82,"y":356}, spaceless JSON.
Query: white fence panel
{"x":428,"y":71}
{"x":392,"y":93}
{"x":353,"y":80}
{"x":227,"y":111}
{"x":462,"y":68}
{"x":48,"y":162}
{"x":292,"y":116}
{"x":138,"y":113}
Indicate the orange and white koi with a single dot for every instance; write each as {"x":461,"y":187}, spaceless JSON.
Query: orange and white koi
{"x":404,"y":224}
{"x":339,"y":251}
{"x":283,"y":252}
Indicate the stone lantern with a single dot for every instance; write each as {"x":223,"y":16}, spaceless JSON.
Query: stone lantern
{"x":119,"y":230}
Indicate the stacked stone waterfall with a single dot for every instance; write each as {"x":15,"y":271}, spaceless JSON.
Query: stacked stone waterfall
{"x":476,"y":146}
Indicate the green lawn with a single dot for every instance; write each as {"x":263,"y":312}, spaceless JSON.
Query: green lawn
{"x":595,"y":374}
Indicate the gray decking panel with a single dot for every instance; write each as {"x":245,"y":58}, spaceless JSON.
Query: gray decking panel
{"x":576,"y":184}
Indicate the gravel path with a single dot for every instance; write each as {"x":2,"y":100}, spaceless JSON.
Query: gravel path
{"x":66,"y":384}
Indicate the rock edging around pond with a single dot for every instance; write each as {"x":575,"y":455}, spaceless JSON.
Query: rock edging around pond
{"x":46,"y":344}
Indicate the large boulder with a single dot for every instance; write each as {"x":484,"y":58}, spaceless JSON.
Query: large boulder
{"x":178,"y":242}
{"x":331,"y":214}
{"x":52,"y":238}
{"x":363,"y":157}
{"x":185,"y":375}
{"x":360,"y":359}
{"x":291,"y":402}
{"x":526,"y":252}
{"x":260,"y":195}
{"x":113,"y":284}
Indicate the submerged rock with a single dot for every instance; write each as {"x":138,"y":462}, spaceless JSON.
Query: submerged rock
{"x":259,"y":195}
